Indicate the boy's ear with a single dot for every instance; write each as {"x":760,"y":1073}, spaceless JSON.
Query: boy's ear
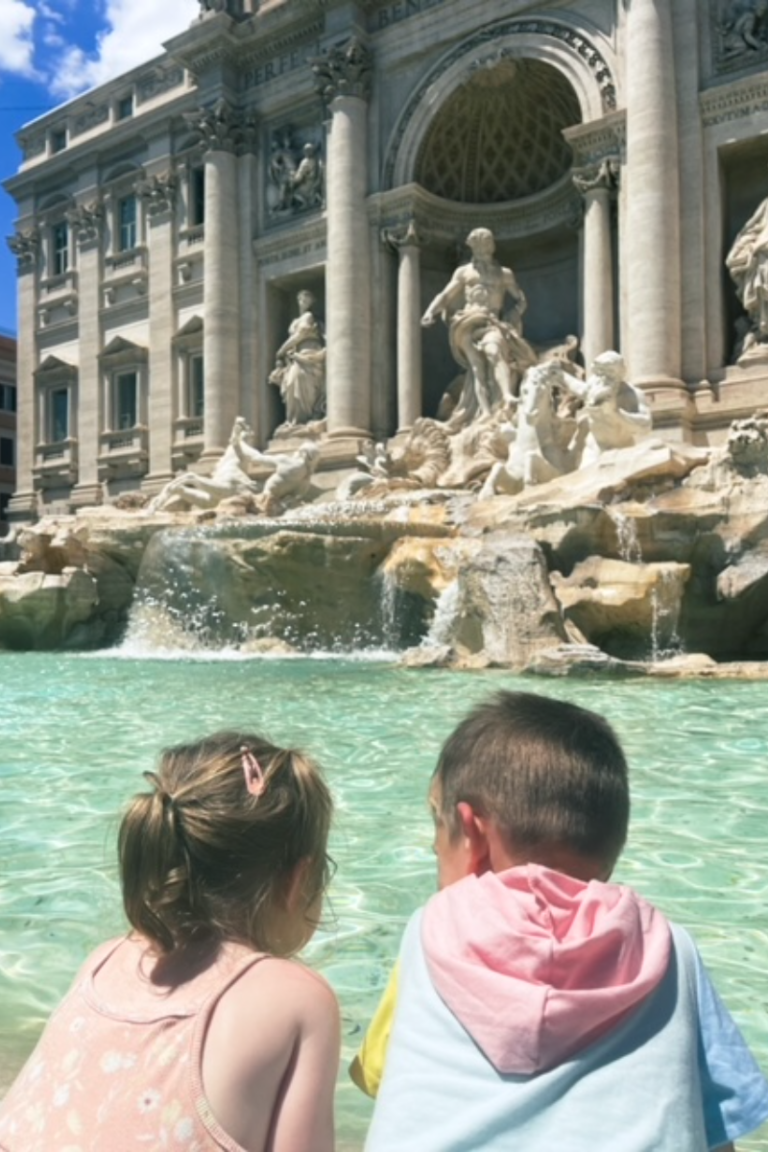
{"x":475,"y":835}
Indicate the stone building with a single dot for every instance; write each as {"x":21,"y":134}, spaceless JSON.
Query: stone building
{"x":7,"y":425}
{"x":167,"y":220}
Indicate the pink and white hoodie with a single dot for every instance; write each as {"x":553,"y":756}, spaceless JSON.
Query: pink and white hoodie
{"x":537,"y":1013}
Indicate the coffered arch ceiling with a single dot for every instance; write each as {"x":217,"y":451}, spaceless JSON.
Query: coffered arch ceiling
{"x":498,"y":137}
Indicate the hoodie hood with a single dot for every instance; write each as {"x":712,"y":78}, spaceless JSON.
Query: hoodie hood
{"x":536,"y":965}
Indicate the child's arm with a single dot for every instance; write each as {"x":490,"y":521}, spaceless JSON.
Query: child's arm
{"x":271,"y":1058}
{"x":367,"y":1068}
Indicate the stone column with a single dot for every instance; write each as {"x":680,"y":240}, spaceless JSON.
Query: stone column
{"x":86,"y":222}
{"x":223,"y":134}
{"x":597,"y":184}
{"x":409,"y":398}
{"x":652,"y":253}
{"x":158,"y":194}
{"x":344,"y":79}
{"x":25,"y":246}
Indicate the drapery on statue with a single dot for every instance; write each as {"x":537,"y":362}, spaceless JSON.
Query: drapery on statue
{"x":290,"y":479}
{"x":747,"y":263}
{"x":299,"y":370}
{"x":485,"y":340}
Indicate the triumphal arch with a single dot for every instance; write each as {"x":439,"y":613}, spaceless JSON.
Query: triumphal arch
{"x":259,"y":221}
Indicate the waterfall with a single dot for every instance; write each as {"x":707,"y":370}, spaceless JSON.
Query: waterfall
{"x":665,"y":614}
{"x":441,"y":629}
{"x":626,"y":532}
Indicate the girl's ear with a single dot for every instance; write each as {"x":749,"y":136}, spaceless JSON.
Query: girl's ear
{"x":294,"y":893}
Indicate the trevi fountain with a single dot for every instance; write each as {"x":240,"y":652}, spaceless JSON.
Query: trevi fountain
{"x":535,"y":525}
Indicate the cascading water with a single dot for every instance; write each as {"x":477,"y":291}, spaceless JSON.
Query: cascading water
{"x":443,"y":623}
{"x":665,"y":614}
{"x":630,"y":549}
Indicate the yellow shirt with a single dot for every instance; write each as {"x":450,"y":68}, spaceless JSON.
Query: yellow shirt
{"x":367,"y":1068}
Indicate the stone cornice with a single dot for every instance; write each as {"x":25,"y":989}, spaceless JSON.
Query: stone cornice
{"x":735,"y":101}
{"x":599,"y":140}
{"x":448,"y":223}
{"x":288,"y":244}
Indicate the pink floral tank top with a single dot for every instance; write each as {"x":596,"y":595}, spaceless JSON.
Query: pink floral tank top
{"x":103,"y":1080}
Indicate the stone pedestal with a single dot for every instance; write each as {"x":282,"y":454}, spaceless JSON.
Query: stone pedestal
{"x":652,"y":251}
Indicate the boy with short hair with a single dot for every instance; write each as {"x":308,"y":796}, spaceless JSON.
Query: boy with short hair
{"x":539,"y":1007}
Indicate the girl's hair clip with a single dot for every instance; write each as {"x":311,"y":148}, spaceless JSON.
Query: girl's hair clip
{"x":253,"y":772}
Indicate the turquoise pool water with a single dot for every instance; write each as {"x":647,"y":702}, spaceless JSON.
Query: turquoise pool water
{"x":76,"y":733}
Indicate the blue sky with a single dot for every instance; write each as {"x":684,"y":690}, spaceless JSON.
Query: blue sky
{"x":50,"y":51}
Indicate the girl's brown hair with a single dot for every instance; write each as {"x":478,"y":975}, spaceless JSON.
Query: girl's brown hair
{"x":204,"y":860}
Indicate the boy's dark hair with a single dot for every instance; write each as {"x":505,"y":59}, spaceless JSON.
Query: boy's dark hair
{"x":551,"y":774}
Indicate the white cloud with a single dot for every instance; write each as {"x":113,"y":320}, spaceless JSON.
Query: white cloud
{"x":16,"y":46}
{"x":134,"y":32}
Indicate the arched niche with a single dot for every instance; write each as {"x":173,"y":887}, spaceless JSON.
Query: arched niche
{"x":583,"y":62}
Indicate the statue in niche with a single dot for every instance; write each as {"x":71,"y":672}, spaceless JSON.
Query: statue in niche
{"x":745,"y":28}
{"x":296,"y":185}
{"x":289,"y":482}
{"x":486,"y":341}
{"x":299,"y":370}
{"x":747,"y":263}
{"x":615,"y":414}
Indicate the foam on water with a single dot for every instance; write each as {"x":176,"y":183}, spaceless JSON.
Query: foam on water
{"x":76,"y":733}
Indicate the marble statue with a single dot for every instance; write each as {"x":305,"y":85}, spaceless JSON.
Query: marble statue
{"x":292,"y":477}
{"x":296,"y":186}
{"x":289,"y":482}
{"x":615,"y":414}
{"x":299,"y":370}
{"x":229,"y":477}
{"x":745,"y":28}
{"x":538,"y":438}
{"x":486,"y":340}
{"x":747,"y":263}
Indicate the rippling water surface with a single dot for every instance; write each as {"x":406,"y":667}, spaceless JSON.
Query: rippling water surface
{"x":76,"y":733}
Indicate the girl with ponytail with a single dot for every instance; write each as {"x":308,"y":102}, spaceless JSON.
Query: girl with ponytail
{"x":198,"y":1030}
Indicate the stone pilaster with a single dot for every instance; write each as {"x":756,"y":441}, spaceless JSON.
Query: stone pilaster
{"x":158,"y":195}
{"x":85,"y":220}
{"x":224,"y":134}
{"x":652,"y":252}
{"x":343,"y":77}
{"x":409,"y":391}
{"x":597,"y":185}
{"x":25,"y":246}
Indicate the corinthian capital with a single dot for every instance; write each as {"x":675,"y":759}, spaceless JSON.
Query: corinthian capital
{"x":25,"y":246}
{"x":602,"y":175}
{"x":158,"y":193}
{"x":344,"y":70}
{"x":85,"y":221}
{"x":222,"y":128}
